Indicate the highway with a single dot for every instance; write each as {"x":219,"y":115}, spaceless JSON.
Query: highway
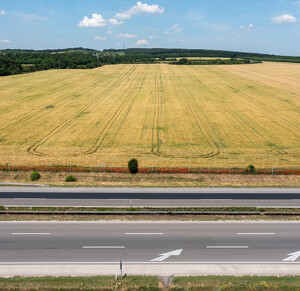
{"x":145,"y":241}
{"x":150,"y":197}
{"x":171,"y":244}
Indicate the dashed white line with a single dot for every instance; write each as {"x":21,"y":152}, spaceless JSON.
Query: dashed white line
{"x":144,"y":233}
{"x":227,"y":247}
{"x":103,"y":247}
{"x":256,"y":233}
{"x":30,"y":233}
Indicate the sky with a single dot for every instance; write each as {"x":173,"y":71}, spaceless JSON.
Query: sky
{"x":264,"y":26}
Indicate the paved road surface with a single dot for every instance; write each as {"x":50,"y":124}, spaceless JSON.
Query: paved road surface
{"x":144,"y":241}
{"x":197,"y":248}
{"x":159,"y":197}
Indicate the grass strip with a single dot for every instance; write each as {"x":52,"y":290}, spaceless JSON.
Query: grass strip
{"x":289,"y":283}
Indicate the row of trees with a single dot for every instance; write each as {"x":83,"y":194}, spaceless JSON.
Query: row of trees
{"x":24,"y":61}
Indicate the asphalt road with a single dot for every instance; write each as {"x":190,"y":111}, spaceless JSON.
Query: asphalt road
{"x":155,"y":197}
{"x":149,"y":242}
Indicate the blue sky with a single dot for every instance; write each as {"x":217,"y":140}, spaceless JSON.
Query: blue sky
{"x":268,"y":26}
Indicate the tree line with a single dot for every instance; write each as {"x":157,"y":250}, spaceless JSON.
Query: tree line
{"x":25,"y":61}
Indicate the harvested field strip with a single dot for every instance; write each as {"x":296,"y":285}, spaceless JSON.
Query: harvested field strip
{"x":55,"y":98}
{"x":130,"y":97}
{"x":105,"y":93}
{"x":185,"y":101}
{"x":252,"y":99}
{"x":236,"y":114}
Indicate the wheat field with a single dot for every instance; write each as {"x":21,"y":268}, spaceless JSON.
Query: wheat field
{"x":163,"y":115}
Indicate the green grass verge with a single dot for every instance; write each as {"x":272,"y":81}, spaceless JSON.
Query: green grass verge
{"x":288,"y":283}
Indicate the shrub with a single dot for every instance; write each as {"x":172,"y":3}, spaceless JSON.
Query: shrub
{"x":71,"y":178}
{"x":251,"y":169}
{"x":35,"y":176}
{"x":133,"y":166}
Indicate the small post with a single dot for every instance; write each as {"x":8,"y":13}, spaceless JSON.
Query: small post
{"x":124,"y":184}
{"x":272,"y":170}
{"x":121,"y":268}
{"x":152,"y":169}
{"x":8,"y":166}
{"x":70,"y":167}
{"x":130,"y":203}
{"x":116,"y":276}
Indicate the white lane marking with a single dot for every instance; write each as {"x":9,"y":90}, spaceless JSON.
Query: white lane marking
{"x":256,"y":233}
{"x":227,"y":247}
{"x":103,"y":247}
{"x":30,"y":233}
{"x":151,"y":263}
{"x":292,"y":257}
{"x":164,"y":256}
{"x":144,"y":233}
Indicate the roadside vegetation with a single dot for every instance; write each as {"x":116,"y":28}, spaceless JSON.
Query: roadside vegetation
{"x":245,"y":283}
{"x":152,"y":180}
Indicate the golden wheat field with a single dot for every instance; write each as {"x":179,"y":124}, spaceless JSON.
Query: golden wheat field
{"x":163,"y":115}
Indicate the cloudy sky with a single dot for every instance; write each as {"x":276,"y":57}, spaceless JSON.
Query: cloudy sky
{"x":268,"y":26}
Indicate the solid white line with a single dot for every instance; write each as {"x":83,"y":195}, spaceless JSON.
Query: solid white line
{"x":256,"y":233}
{"x":227,"y":247}
{"x":144,"y":233}
{"x":30,"y":233}
{"x":103,"y":247}
{"x":150,"y":263}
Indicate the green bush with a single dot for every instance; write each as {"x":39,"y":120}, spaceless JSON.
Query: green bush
{"x":35,"y":176}
{"x":251,"y":169}
{"x":71,"y":178}
{"x":133,"y":166}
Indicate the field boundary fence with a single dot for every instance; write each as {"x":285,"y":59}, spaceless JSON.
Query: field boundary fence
{"x":102,"y":168}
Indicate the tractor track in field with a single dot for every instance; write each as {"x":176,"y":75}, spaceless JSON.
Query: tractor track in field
{"x":235,"y":115}
{"x":44,"y":109}
{"x":115,"y":116}
{"x":33,"y":148}
{"x":215,"y":150}
{"x":246,"y":97}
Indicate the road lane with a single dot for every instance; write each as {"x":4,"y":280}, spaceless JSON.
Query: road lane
{"x":150,"y":197}
{"x":107,"y":242}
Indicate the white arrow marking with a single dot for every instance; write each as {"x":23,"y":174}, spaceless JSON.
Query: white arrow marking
{"x":292,"y":257}
{"x":164,"y":256}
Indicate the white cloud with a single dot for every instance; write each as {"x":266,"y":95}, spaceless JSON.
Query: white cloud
{"x":286,"y":18}
{"x":97,"y":37}
{"x":126,"y":35}
{"x":109,"y":32}
{"x":142,"y":42}
{"x":96,"y":21}
{"x":174,"y":28}
{"x":2,"y":12}
{"x":5,"y":41}
{"x":140,"y":8}
{"x":245,"y":29}
{"x":114,"y":21}
{"x":152,"y":36}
